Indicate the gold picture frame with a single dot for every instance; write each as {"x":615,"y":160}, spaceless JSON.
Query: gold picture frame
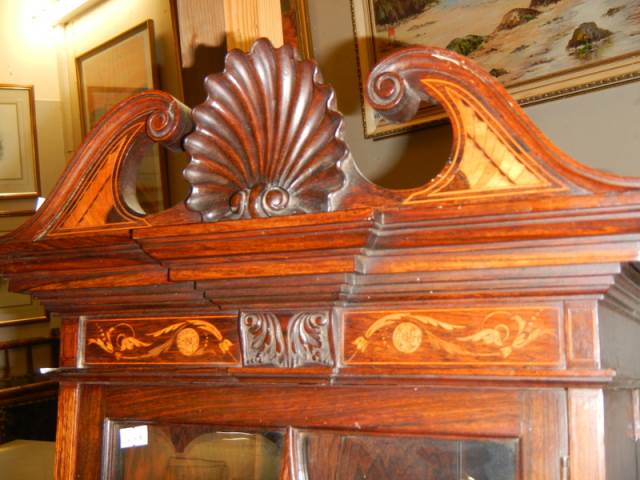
{"x":529,"y":49}
{"x":19,"y":169}
{"x":112,"y":72}
{"x":295,"y":26}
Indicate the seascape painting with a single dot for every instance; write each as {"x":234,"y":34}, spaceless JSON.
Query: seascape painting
{"x":523,"y":43}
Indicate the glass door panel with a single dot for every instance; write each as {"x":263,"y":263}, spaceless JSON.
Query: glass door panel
{"x":195,"y":452}
{"x":344,"y":456}
{"x":192,"y":452}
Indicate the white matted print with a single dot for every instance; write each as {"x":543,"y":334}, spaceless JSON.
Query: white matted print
{"x":18,"y":147}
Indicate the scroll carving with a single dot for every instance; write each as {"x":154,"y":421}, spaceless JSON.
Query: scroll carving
{"x":485,"y":157}
{"x":497,"y":150}
{"x":307,"y":340}
{"x":268,"y":139}
{"x":97,"y":191}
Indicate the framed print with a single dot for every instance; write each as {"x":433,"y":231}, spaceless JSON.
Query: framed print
{"x":112,"y":72}
{"x":539,"y":49}
{"x":295,"y":26}
{"x":18,"y":145}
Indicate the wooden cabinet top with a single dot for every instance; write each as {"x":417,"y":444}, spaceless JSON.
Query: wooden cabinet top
{"x":490,"y":256}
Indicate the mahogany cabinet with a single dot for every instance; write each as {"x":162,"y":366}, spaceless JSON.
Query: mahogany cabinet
{"x":291,"y":320}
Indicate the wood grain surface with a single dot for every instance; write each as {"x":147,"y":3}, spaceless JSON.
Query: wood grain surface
{"x":289,"y":292}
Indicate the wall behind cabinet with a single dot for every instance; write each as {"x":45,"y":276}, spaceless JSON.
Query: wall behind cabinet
{"x":28,"y":57}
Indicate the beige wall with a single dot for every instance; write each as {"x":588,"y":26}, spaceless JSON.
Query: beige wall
{"x":28,"y":57}
{"x":600,"y":129}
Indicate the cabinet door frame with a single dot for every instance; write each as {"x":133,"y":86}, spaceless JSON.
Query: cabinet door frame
{"x":536,"y":417}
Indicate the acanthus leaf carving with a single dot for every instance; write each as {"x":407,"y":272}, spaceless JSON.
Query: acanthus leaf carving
{"x":262,"y":340}
{"x":268,"y":139}
{"x":307,"y":340}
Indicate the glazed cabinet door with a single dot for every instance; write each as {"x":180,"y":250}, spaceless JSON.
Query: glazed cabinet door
{"x":320,"y":432}
{"x":359,"y":456}
{"x":173,"y":451}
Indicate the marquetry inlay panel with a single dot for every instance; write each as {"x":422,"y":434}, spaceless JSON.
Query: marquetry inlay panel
{"x":523,"y":336}
{"x":164,"y":340}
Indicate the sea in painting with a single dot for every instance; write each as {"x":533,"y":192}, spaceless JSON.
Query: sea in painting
{"x":516,"y":40}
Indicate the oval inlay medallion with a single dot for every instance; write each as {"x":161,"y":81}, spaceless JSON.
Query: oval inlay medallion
{"x":407,"y":337}
{"x":188,"y":341}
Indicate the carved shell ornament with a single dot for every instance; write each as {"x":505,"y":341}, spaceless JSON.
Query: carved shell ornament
{"x":268,"y":140}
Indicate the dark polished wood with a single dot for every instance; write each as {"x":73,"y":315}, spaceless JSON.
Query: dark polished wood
{"x":497,"y":303}
{"x":268,"y":139}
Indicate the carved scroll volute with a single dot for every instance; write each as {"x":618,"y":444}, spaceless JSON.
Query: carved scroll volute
{"x":268,"y":139}
{"x":496,"y":148}
{"x":96,"y":192}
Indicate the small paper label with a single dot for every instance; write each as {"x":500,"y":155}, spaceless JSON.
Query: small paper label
{"x":134,"y":437}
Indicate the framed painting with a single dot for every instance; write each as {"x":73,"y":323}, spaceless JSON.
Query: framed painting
{"x":539,"y":49}
{"x":295,"y":26}
{"x":110,"y":73}
{"x":19,"y":176}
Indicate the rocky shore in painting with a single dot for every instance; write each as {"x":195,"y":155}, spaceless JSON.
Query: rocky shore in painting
{"x":516,"y":40}
{"x":390,"y":12}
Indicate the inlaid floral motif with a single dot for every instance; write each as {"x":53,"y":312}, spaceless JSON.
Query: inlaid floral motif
{"x":501,"y":333}
{"x":191,"y":338}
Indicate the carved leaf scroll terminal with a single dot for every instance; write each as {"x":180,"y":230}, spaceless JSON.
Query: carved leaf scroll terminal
{"x":97,"y":191}
{"x":497,"y":150}
{"x":486,"y":158}
{"x":268,"y":138}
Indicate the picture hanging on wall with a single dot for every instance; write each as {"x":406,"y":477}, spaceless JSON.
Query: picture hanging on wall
{"x":18,"y":146}
{"x":539,"y":49}
{"x":112,"y":72}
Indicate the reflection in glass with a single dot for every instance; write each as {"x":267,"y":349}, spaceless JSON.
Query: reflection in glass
{"x":340,"y":456}
{"x":193,"y":452}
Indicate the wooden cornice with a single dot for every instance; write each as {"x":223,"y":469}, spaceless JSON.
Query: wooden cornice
{"x":279,"y":215}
